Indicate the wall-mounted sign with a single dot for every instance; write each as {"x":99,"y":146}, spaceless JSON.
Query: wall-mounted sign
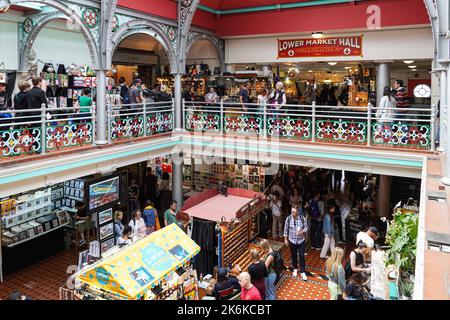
{"x":325,"y":47}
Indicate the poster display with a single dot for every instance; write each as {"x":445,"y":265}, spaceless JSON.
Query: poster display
{"x":103,"y":193}
{"x":105,"y":216}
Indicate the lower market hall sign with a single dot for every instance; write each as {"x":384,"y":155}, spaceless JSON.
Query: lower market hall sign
{"x":325,"y":47}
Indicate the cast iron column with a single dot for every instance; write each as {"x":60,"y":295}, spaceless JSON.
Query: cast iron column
{"x":177,"y":182}
{"x":101,"y":108}
{"x":383,"y":80}
{"x":442,"y":104}
{"x":446,"y":179}
{"x":384,"y":196}
{"x":178,"y":105}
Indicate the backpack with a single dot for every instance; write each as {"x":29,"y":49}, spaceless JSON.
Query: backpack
{"x":149,"y":216}
{"x":314,"y":210}
{"x":126,"y":95}
{"x":278,"y":262}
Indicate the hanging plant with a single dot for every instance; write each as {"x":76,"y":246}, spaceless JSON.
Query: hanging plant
{"x":402,"y":238}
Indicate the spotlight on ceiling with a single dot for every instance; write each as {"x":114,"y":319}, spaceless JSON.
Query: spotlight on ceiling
{"x":408,"y":61}
{"x":332,"y":63}
{"x":317,"y":35}
{"x":347,"y":68}
{"x":412,"y":67}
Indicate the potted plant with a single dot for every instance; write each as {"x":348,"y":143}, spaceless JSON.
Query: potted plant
{"x":402,"y":239}
{"x":406,"y":288}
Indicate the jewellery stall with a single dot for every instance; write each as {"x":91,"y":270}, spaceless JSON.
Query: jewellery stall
{"x":156,"y":267}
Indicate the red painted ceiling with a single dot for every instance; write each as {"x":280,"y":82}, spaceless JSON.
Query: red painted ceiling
{"x":394,"y":13}
{"x":351,"y":15}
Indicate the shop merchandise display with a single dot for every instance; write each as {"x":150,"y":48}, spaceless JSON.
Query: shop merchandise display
{"x":3,"y":87}
{"x":28,"y":216}
{"x":249,"y":177}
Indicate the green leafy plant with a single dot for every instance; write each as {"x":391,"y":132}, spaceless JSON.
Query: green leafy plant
{"x":406,"y":288}
{"x":402,"y":238}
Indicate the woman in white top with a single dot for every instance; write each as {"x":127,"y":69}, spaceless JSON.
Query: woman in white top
{"x":262,"y":100}
{"x":138,"y":224}
{"x":385,"y":110}
{"x":126,"y":236}
{"x":211,"y":96}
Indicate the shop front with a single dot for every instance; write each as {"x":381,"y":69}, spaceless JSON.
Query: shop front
{"x":348,"y":64}
{"x":40,"y":223}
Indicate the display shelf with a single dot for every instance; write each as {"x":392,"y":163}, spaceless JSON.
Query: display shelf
{"x":36,"y":236}
{"x":68,"y":209}
{"x":74,"y":198}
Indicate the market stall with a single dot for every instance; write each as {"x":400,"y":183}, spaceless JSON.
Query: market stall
{"x":236,"y":216}
{"x":156,"y":267}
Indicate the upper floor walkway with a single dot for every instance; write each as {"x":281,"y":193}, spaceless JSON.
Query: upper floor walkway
{"x":27,"y":133}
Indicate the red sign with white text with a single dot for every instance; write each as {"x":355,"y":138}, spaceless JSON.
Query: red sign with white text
{"x":325,"y":47}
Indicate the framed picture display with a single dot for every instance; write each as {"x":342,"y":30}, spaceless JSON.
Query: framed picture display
{"x":104,"y":192}
{"x":105,"y":216}
{"x":106,"y":231}
{"x":107,"y":244}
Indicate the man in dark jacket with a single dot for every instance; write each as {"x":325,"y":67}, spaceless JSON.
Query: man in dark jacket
{"x":21,"y":103}
{"x":36,"y":96}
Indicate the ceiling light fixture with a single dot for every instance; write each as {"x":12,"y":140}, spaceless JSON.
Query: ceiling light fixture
{"x":408,"y":61}
{"x":412,"y":67}
{"x":317,"y":35}
{"x":347,"y":68}
{"x":332,"y":63}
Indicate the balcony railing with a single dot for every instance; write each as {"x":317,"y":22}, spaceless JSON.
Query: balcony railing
{"x":412,"y":128}
{"x":139,"y":120}
{"x":38,"y":131}
{"x":45,"y":130}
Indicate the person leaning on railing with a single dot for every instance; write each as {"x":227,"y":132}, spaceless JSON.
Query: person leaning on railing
{"x":386,"y":107}
{"x":36,"y":98}
{"x":21,"y":103}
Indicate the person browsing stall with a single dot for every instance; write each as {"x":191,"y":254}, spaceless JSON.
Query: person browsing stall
{"x":328,"y":230}
{"x":83,"y":220}
{"x":257,"y":271}
{"x":225,"y":285}
{"x":295,"y":229}
{"x":150,"y":215}
{"x":248,"y":290}
{"x":126,"y":236}
{"x":138,"y":224}
{"x":335,"y":273}
{"x":275,"y":207}
{"x":170,"y":216}
{"x":118,"y":225}
{"x":357,"y":261}
{"x":269,"y":261}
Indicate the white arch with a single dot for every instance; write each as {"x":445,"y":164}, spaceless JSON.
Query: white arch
{"x":68,"y":14}
{"x":213,"y":41}
{"x":142,"y":27}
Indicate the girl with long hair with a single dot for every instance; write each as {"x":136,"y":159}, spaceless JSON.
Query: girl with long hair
{"x":335,"y":274}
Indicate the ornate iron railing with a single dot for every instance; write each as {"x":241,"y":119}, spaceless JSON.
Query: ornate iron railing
{"x":412,"y":128}
{"x":38,"y":131}
{"x":139,"y":120}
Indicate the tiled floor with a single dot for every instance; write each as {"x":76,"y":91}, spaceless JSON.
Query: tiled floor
{"x":42,"y":280}
{"x":315,"y":288}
